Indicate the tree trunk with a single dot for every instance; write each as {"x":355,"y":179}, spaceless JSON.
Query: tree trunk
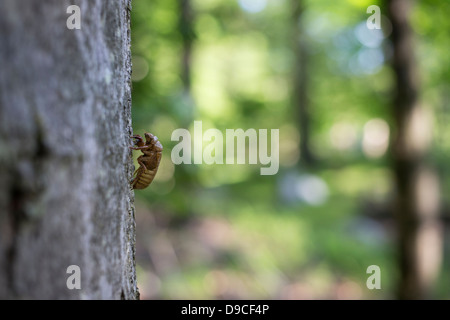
{"x":186,"y":29}
{"x":65,"y":166}
{"x":300,"y":84}
{"x":417,"y":200}
{"x":187,"y":33}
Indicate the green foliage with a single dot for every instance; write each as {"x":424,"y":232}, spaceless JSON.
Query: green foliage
{"x":229,"y":231}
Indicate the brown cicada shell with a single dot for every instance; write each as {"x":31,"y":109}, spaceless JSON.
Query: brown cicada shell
{"x":149,"y":161}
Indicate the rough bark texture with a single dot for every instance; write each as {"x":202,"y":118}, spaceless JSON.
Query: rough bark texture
{"x":417,"y":200}
{"x":65,"y":166}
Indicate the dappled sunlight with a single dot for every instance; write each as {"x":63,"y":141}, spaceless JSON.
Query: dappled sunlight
{"x":140,"y":68}
{"x":343,"y":136}
{"x":253,"y":6}
{"x":303,"y":188}
{"x":375,"y":138}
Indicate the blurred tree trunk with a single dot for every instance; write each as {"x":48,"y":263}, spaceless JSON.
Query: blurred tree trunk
{"x":65,"y":166}
{"x":187,"y":34}
{"x":417,"y":200}
{"x":300,"y":84}
{"x":186,"y":28}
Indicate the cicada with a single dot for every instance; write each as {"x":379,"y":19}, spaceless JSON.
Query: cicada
{"x":149,"y":161}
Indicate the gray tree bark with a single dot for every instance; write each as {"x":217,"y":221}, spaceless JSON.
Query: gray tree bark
{"x":65,"y":166}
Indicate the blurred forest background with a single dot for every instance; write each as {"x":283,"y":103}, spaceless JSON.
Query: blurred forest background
{"x":313,"y":70}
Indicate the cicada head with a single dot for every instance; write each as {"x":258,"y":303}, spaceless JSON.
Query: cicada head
{"x":153,"y":141}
